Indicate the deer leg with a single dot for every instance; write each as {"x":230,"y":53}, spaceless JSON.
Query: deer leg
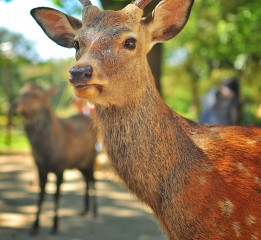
{"x":89,"y":180}
{"x":59,"y":180}
{"x":94,"y":198}
{"x":86,"y":194}
{"x":42,"y":181}
{"x":86,"y":199}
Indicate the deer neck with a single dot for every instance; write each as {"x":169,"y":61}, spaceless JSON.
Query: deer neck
{"x":135,"y":137}
{"x":40,"y":124}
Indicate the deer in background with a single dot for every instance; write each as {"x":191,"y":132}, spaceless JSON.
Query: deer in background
{"x":57,"y":144}
{"x":201,"y":181}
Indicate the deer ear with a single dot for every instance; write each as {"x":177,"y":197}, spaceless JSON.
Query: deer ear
{"x":52,"y":90}
{"x":58,"y":26}
{"x":168,"y":19}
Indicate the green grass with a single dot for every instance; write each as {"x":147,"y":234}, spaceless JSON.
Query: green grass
{"x":13,"y":141}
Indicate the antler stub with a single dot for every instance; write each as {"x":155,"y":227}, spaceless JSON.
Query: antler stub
{"x":142,"y":3}
{"x":85,"y":3}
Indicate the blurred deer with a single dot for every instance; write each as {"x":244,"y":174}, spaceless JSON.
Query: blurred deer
{"x":57,"y":144}
{"x":202,"y":182}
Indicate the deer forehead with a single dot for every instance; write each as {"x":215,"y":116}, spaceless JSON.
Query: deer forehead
{"x":32,"y":89}
{"x":110,"y":23}
{"x":29,"y":88}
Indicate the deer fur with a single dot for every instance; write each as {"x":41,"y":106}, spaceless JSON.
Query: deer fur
{"x":57,"y":144}
{"x":201,"y":181}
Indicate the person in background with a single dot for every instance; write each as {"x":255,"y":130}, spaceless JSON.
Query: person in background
{"x":222,"y":106}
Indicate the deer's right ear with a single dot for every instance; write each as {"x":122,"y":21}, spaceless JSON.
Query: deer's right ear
{"x":58,"y":26}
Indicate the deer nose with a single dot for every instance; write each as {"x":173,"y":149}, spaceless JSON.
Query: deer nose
{"x":80,"y":74}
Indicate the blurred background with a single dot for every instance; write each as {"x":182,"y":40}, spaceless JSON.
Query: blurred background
{"x":193,"y":72}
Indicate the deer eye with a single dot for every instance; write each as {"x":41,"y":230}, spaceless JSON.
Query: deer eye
{"x":130,"y":43}
{"x":76,"y":45}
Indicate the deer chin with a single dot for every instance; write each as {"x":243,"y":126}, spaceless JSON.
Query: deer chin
{"x":88,"y":91}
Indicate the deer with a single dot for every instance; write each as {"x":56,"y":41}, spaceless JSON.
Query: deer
{"x":201,"y":181}
{"x":57,"y":144}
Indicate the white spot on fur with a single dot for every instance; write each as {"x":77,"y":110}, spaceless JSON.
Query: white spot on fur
{"x":257,"y":180}
{"x":252,"y":142}
{"x":254,"y":236}
{"x":202,"y":180}
{"x":226,"y":207}
{"x":207,"y":168}
{"x":237,"y":228}
{"x":250,"y":220}
{"x":242,"y":168}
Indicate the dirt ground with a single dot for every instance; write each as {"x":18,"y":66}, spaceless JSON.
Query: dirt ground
{"x":120,"y":215}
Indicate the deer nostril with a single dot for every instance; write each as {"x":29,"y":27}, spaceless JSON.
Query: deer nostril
{"x":88,"y":72}
{"x":81,"y":73}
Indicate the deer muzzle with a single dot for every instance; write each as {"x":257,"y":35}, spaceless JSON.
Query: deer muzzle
{"x":80,"y":75}
{"x":84,"y":82}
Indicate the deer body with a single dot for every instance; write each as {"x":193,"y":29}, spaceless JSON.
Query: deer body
{"x":202,"y":182}
{"x":52,"y":141}
{"x":191,"y":175}
{"x":55,"y":146}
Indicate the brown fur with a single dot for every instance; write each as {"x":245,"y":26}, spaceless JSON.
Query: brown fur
{"x":57,"y":144}
{"x":202,"y":182}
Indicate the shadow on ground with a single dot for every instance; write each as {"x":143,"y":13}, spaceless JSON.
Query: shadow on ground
{"x":120,"y":215}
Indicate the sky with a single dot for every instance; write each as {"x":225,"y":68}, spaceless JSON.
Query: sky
{"x":15,"y":16}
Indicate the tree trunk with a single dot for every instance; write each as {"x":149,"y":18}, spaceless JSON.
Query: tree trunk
{"x":154,"y":59}
{"x":7,"y":86}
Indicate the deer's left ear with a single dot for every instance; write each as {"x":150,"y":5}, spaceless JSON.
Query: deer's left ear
{"x":52,"y":90}
{"x":168,"y":19}
{"x":58,"y":26}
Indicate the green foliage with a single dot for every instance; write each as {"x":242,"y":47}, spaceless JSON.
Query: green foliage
{"x":15,"y":52}
{"x":221,"y":39}
{"x":18,"y":141}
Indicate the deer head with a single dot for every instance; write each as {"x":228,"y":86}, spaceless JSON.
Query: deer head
{"x":111,"y":46}
{"x":32,"y":99}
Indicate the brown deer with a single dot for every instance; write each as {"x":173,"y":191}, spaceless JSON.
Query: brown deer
{"x":202,"y":182}
{"x":57,"y":145}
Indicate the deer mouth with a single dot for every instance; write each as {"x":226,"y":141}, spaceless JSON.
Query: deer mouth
{"x":88,"y":90}
{"x":86,"y":86}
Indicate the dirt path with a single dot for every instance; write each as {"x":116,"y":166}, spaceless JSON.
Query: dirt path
{"x":121,"y":216}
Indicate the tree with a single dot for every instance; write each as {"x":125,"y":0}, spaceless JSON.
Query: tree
{"x":15,"y":50}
